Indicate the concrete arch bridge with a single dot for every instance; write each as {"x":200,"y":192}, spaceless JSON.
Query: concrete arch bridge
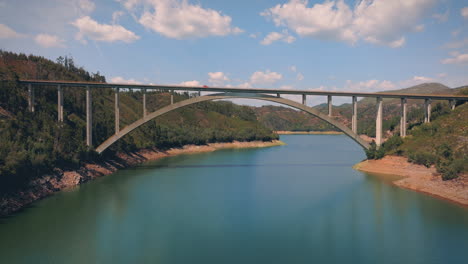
{"x":271,"y":95}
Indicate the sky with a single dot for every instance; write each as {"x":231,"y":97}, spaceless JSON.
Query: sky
{"x":334,"y":45}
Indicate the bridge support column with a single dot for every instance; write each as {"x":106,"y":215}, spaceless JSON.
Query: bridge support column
{"x":452,"y":104}
{"x":144,"y":102}
{"x":403,"y":117}
{"x":89,"y":118}
{"x":427,"y":110}
{"x":172,"y":97}
{"x":30,"y":98}
{"x":329,"y":100}
{"x":304,"y":99}
{"x":354,"y":116}
{"x":60,"y":103}
{"x":378,"y":122}
{"x":278,"y":95}
{"x":117,"y":110}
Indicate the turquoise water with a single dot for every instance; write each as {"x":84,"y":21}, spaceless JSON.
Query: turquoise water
{"x":299,"y":203}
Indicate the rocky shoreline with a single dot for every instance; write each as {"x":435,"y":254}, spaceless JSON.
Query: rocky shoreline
{"x":419,"y":178}
{"x":62,"y":180}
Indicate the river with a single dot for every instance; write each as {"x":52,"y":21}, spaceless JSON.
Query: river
{"x":298,"y":203}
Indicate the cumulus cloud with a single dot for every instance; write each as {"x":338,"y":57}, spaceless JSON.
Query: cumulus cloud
{"x":181,"y":20}
{"x":116,"y":15}
{"x":456,"y":44}
{"x":119,"y":79}
{"x":299,"y":77}
{"x":217,"y":78}
{"x":86,"y":5}
{"x":441,"y":17}
{"x":190,"y":83}
{"x":276,"y":36}
{"x":49,"y":41}
{"x":369,"y":86}
{"x":419,"y":28}
{"x":89,"y":28}
{"x":464,"y":12}
{"x":8,"y":33}
{"x":456,"y":59}
{"x":266,"y":77}
{"x":372,"y":21}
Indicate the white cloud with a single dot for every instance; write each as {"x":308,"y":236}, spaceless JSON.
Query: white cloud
{"x":441,"y":17}
{"x":419,"y":28}
{"x":422,"y":79}
{"x":89,"y":28}
{"x":369,"y":86}
{"x":49,"y":41}
{"x":457,"y":59}
{"x":276,"y":36}
{"x":119,"y":79}
{"x":442,"y":75}
{"x":457,"y":44}
{"x":464,"y":12}
{"x":373,"y":21}
{"x":293,"y":68}
{"x":116,"y":15}
{"x":190,"y":83}
{"x":252,"y":35}
{"x":266,"y":77}
{"x":299,"y":77}
{"x":8,"y":33}
{"x":86,"y":5}
{"x":181,"y":20}
{"x":217,"y":78}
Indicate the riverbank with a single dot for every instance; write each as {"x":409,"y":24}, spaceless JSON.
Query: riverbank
{"x":419,"y":178}
{"x":67,"y":179}
{"x":308,"y":132}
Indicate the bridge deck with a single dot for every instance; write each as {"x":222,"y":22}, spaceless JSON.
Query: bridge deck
{"x":245,"y":90}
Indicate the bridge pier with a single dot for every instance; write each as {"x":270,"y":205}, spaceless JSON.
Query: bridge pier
{"x":452,"y":104}
{"x":30,"y":98}
{"x":172,"y":96}
{"x":278,"y":95}
{"x":354,"y":115}
{"x":403,"y":117}
{"x":89,"y":118}
{"x":60,"y":103}
{"x":427,"y":110}
{"x":329,"y":100}
{"x":144,"y":102}
{"x":378,"y":123}
{"x":117,"y":110}
{"x":304,"y":99}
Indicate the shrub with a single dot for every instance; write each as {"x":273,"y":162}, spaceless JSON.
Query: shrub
{"x":422,"y":158}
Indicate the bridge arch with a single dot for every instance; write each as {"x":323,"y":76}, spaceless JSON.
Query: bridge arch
{"x":111,"y":140}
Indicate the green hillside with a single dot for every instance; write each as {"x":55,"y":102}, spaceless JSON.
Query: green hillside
{"x":33,"y":144}
{"x":443,"y":142}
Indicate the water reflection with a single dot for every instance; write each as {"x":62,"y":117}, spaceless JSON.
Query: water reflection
{"x":299,"y":203}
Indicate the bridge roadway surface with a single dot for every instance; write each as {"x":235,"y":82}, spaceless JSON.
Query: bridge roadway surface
{"x":231,"y":93}
{"x":244,"y":90}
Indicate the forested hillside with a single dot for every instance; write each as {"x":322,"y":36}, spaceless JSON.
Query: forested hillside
{"x":33,"y":144}
{"x":443,"y":142}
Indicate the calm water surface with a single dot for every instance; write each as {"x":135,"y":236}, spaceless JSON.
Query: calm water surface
{"x":300,"y":203}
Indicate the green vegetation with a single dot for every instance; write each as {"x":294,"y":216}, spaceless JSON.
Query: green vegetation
{"x":443,"y":143}
{"x":33,"y":144}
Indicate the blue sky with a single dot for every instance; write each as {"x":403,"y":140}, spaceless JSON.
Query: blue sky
{"x":368,"y":45}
